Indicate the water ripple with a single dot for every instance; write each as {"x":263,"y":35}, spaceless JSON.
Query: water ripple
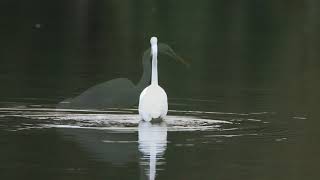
{"x":219,"y":124}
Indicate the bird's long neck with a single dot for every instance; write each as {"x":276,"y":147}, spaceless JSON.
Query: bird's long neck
{"x":145,"y":79}
{"x":154,"y":75}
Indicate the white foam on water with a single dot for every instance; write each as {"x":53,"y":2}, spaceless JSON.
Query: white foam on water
{"x":122,"y":120}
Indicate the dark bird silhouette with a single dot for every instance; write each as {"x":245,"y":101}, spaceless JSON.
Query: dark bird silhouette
{"x":119,"y":92}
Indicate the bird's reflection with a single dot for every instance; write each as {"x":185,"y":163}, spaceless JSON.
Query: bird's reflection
{"x":152,"y":145}
{"x":105,"y":146}
{"x":119,"y":92}
{"x":120,"y":148}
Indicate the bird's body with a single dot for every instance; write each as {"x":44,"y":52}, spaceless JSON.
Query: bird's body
{"x":116,"y":93}
{"x":120,"y":91}
{"x":153,"y":101}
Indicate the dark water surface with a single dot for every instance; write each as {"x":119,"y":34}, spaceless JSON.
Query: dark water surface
{"x":40,"y":142}
{"x":246,"y":108}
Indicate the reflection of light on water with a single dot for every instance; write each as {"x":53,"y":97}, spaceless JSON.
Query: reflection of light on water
{"x":230,"y":135}
{"x":220,"y":124}
{"x":113,"y":119}
{"x":152,"y":144}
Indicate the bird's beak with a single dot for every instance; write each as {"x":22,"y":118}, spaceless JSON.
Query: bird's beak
{"x":167,"y":50}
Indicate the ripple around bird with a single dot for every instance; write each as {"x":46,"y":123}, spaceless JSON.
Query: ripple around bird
{"x":219,"y":124}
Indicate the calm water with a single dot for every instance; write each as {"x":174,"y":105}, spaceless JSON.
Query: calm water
{"x":40,"y":142}
{"x":246,"y":108}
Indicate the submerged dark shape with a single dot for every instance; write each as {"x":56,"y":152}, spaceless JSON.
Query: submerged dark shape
{"x":119,"y":92}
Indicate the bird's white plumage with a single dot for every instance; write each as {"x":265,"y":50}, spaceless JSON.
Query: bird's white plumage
{"x":153,"y":41}
{"x":153,"y":102}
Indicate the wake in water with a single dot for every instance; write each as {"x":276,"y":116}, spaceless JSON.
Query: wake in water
{"x":26,"y":117}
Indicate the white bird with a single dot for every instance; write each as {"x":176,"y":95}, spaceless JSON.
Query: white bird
{"x":119,"y":92}
{"x":153,"y":102}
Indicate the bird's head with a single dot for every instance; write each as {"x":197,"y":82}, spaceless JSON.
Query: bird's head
{"x":154,"y":45}
{"x":167,"y":50}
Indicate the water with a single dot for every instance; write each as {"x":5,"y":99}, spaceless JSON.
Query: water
{"x":42,"y":141}
{"x":245,"y":108}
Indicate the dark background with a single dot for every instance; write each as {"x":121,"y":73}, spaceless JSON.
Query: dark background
{"x":53,"y":49}
{"x":246,"y":55}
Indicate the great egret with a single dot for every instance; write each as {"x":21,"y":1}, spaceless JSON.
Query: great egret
{"x":120,"y":92}
{"x":153,"y":101}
